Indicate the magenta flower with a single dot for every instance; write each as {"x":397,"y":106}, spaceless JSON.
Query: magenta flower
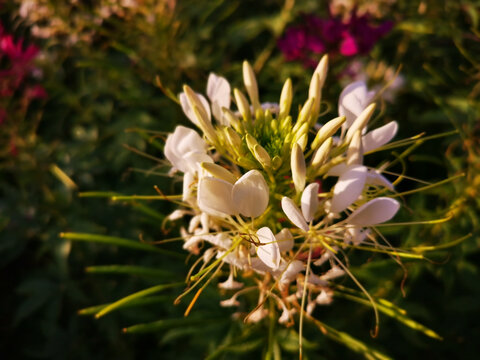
{"x":315,"y":36}
{"x":17,"y":69}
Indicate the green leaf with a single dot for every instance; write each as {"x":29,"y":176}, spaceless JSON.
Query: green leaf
{"x":118,"y":304}
{"x":393,"y":311}
{"x":170,"y":323}
{"x":138,"y":302}
{"x":128,"y":269}
{"x":113,"y":240}
{"x":350,"y":342}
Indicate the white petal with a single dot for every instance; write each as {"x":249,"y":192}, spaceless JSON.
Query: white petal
{"x":214,"y":196}
{"x":269,"y":251}
{"x":355,"y":235}
{"x":193,"y":161}
{"x":177,"y":214}
{"x":221,"y":240}
{"x":310,"y":307}
{"x":293,"y":213}
{"x":229,"y":302}
{"x":338,"y":170}
{"x":325,"y":256}
{"x":257,"y":315}
{"x":285,"y":240}
{"x":250,"y":194}
{"x":309,"y":201}
{"x":182,"y":142}
{"x":230,"y":284}
{"x":374,"y":177}
{"x":193,"y":224}
{"x":188,"y":108}
{"x":375,"y":211}
{"x":286,"y":315}
{"x":333,"y":273}
{"x":348,"y":188}
{"x":257,"y":265}
{"x":324,"y":298}
{"x":379,"y":137}
{"x":291,"y":272}
{"x":218,"y":91}
{"x":353,"y":100}
{"x":188,"y":183}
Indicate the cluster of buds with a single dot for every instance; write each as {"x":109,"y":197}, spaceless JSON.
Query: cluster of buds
{"x":255,"y":189}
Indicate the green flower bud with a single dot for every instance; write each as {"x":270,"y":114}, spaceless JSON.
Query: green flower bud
{"x":251,"y":85}
{"x":285,"y":99}
{"x":242,"y":104}
{"x":219,"y":172}
{"x":327,"y":131}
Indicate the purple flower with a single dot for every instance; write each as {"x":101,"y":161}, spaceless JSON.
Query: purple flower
{"x":315,"y":36}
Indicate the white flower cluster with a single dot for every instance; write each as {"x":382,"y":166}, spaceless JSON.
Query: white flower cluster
{"x":256,"y":189}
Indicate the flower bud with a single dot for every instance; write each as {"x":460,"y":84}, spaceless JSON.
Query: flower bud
{"x":205,"y":124}
{"x":327,"y":131}
{"x":316,"y":84}
{"x":321,"y":154}
{"x":194,"y":100}
{"x":276,"y":162}
{"x":304,"y":114}
{"x":232,"y":120}
{"x":219,"y":172}
{"x":299,"y":168}
{"x":242,"y":104}
{"x":259,"y":153}
{"x":262,"y":156}
{"x":251,"y":85}
{"x":286,"y":123}
{"x":286,"y":99}
{"x":360,"y":122}
{"x":355,"y":150}
{"x":302,"y":141}
{"x":233,"y":140}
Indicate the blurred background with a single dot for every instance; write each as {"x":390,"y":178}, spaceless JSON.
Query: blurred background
{"x":83,"y":94}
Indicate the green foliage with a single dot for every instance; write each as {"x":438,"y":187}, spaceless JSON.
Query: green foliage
{"x":104,"y":84}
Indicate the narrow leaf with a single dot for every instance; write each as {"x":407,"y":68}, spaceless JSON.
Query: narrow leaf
{"x":113,"y":240}
{"x":118,"y":304}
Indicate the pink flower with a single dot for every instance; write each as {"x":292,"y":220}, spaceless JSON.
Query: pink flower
{"x":15,"y":51}
{"x":315,"y":36}
{"x":35,"y":92}
{"x":348,"y":46}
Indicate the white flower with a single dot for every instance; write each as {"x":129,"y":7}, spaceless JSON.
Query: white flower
{"x":324,"y":298}
{"x":348,"y":188}
{"x":229,"y":302}
{"x":257,"y":315}
{"x":290,"y":273}
{"x":309,"y":201}
{"x":268,"y":251}
{"x":354,"y":98}
{"x":284,"y":240}
{"x":218,"y":91}
{"x":379,"y":137}
{"x":293,"y":213}
{"x":374,"y":212}
{"x":287,"y":314}
{"x":230,"y":284}
{"x":333,"y":273}
{"x":248,"y":196}
{"x":185,"y":150}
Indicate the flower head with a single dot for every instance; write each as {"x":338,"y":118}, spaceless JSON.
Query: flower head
{"x":277,"y":197}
